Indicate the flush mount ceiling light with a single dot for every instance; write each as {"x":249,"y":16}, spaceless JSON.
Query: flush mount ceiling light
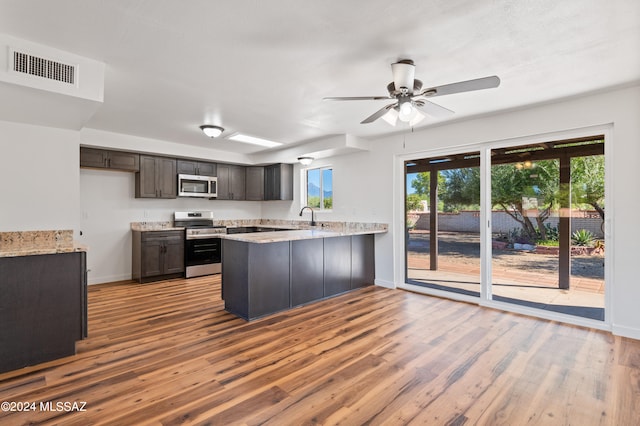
{"x":238,"y":137}
{"x":305,"y":161}
{"x":211,"y":131}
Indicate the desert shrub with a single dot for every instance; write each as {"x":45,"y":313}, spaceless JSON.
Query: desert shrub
{"x":551,"y":232}
{"x":582,"y":237}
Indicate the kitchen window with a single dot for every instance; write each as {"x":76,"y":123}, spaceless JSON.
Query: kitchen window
{"x":319,"y":192}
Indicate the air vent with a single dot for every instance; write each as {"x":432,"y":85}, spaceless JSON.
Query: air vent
{"x":45,"y":68}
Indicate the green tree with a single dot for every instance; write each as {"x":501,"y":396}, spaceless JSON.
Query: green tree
{"x":527,"y":192}
{"x":461,"y":189}
{"x":414,"y":202}
{"x":328,"y":203}
{"x":587,"y":182}
{"x":512,"y":185}
{"x":421,"y":183}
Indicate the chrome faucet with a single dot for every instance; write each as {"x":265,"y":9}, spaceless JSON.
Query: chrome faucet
{"x":313,"y":221}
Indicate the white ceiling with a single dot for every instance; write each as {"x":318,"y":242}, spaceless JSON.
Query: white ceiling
{"x":263,"y":67}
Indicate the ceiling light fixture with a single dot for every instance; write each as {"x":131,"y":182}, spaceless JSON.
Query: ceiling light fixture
{"x":391,"y":117}
{"x":211,"y":131}
{"x":305,"y":161}
{"x":407,"y":112}
{"x":238,"y":137}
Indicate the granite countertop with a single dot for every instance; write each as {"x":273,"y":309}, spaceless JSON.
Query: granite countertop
{"x":329,"y":228}
{"x":154,"y":226}
{"x":29,"y":243}
{"x":300,"y":234}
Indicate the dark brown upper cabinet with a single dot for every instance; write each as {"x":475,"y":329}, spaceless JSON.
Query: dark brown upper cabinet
{"x":157,"y":178}
{"x":107,"y":159}
{"x":255,"y":183}
{"x":278,"y":182}
{"x":198,"y":168}
{"x":231,"y":182}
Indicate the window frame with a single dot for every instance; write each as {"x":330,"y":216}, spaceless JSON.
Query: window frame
{"x":305,"y":188}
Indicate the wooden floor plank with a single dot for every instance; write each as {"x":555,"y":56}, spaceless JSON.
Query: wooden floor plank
{"x":167,"y":353}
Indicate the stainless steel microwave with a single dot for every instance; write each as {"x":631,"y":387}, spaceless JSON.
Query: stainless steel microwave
{"x":197,"y":186}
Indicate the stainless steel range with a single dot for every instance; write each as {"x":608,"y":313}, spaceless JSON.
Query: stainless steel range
{"x":202,"y":248}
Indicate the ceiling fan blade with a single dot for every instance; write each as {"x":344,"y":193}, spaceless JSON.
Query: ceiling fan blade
{"x":434,"y":110}
{"x":382,"y":111}
{"x":462,"y":86}
{"x":356,"y":98}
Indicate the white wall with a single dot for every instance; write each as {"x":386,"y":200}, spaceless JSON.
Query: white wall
{"x":39,"y":168}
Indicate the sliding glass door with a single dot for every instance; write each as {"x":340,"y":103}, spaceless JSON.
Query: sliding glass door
{"x":547,"y":226}
{"x":443,"y":223}
{"x":544,"y":246}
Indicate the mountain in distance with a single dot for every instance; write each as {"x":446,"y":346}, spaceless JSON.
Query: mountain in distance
{"x":314,"y":191}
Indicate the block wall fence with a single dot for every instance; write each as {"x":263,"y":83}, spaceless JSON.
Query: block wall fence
{"x":469,"y":221}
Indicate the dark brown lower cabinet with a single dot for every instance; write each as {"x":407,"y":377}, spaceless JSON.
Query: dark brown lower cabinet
{"x":43,"y":308}
{"x":362,"y":260}
{"x":260,"y":279}
{"x":157,"y":255}
{"x":307,"y":272}
{"x":337,"y":265}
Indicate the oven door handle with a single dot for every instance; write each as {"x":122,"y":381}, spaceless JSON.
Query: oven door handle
{"x":206,"y":251}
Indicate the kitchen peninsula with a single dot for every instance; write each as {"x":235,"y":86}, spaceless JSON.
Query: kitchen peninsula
{"x":268,"y":272}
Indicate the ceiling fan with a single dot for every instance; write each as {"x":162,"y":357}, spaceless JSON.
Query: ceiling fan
{"x":411,"y":99}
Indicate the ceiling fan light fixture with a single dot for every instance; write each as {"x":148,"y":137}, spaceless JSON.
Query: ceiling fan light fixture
{"x":410,"y":98}
{"x":305,"y":161}
{"x":391,"y":117}
{"x":211,"y":131}
{"x":407,"y":112}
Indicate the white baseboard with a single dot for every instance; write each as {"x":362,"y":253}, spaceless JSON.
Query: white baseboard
{"x":630,"y":332}
{"x":384,"y":283}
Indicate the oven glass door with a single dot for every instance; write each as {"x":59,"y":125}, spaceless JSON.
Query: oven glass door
{"x":203,"y":251}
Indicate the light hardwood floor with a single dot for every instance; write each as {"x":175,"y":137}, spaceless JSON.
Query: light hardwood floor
{"x":167,"y":353}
